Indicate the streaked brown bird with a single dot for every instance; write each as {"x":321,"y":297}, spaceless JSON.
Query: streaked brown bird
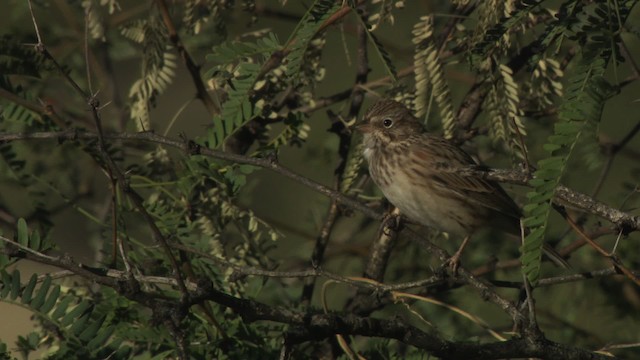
{"x":419,"y":173}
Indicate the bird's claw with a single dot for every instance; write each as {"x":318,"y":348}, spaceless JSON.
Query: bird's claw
{"x":390,"y":222}
{"x":453,"y":263}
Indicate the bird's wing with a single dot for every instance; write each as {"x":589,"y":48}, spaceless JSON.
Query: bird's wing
{"x":447,"y":174}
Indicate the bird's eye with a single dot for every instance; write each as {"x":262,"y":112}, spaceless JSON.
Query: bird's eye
{"x":387,"y":122}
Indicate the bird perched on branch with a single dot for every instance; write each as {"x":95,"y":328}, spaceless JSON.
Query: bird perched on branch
{"x":421,"y":175}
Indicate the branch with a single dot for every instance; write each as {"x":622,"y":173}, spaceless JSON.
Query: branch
{"x":624,"y":221}
{"x":113,"y":171}
{"x":314,"y":326}
{"x":572,"y":198}
{"x":308,"y":326}
{"x":194,"y":70}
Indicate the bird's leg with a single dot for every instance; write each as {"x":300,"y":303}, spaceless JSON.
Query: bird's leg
{"x":392,"y":221}
{"x":454,"y":261}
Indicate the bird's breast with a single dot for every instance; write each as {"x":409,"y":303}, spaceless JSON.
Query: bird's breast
{"x":407,"y":185}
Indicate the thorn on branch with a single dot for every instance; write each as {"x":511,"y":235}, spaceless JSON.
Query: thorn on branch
{"x":193,"y":148}
{"x":626,"y":226}
{"x":94,"y":102}
{"x":314,"y":264}
{"x":272,"y":157}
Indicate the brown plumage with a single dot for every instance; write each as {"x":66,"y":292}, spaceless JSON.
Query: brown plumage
{"x":419,"y":173}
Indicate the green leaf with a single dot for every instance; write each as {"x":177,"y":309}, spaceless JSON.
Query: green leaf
{"x":552,"y":163}
{"x":23,"y":232}
{"x":536,"y":182}
{"x":585,"y":99}
{"x":27,"y":293}
{"x":536,"y":198}
{"x":567,"y":128}
{"x":51,"y":300}
{"x":534,"y":210}
{"x":40,"y":297}
{"x":103,"y":334}
{"x":6,"y":284}
{"x":38,"y":300}
{"x":72,"y":315}
{"x":536,"y":220}
{"x":15,"y":284}
{"x":62,"y":307}
{"x":91,"y":330}
{"x":80,"y":325}
{"x":560,"y":139}
{"x":35,"y":242}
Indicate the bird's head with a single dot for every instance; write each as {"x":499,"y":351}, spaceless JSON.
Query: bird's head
{"x":388,"y":120}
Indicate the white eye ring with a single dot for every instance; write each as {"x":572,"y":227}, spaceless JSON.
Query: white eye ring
{"x":387,"y":123}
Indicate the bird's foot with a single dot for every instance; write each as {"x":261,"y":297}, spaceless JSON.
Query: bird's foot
{"x":453,"y":262}
{"x":391,"y":222}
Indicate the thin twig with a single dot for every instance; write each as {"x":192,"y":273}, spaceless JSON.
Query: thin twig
{"x":485,"y":289}
{"x":110,"y":167}
{"x":35,"y":24}
{"x":533,"y":322}
{"x":194,"y":70}
{"x":86,"y":47}
{"x":611,"y":151}
{"x":614,"y":259}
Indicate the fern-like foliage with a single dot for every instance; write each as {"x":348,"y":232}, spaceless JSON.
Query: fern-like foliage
{"x":305,"y":32}
{"x":94,"y":19}
{"x":237,"y":51}
{"x":29,"y":239}
{"x":211,"y":190}
{"x":245,"y":78}
{"x":429,"y":73}
{"x":199,"y":13}
{"x":158,"y":68}
{"x":25,"y":62}
{"x":79,"y":332}
{"x":382,"y":53}
{"x":18,"y":59}
{"x":77,"y":329}
{"x":585,"y":96}
{"x":352,"y":168}
{"x":19,"y":116}
{"x":295,"y":132}
{"x":240,"y":79}
{"x":545,"y":85}
{"x":382,"y":12}
{"x":239,"y":109}
{"x":500,"y":30}
{"x":504,"y":107}
{"x":16,"y":169}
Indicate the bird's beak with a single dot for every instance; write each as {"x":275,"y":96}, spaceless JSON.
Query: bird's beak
{"x":363,"y":126}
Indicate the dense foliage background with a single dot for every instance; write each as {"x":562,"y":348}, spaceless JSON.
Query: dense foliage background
{"x":187,"y":172}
